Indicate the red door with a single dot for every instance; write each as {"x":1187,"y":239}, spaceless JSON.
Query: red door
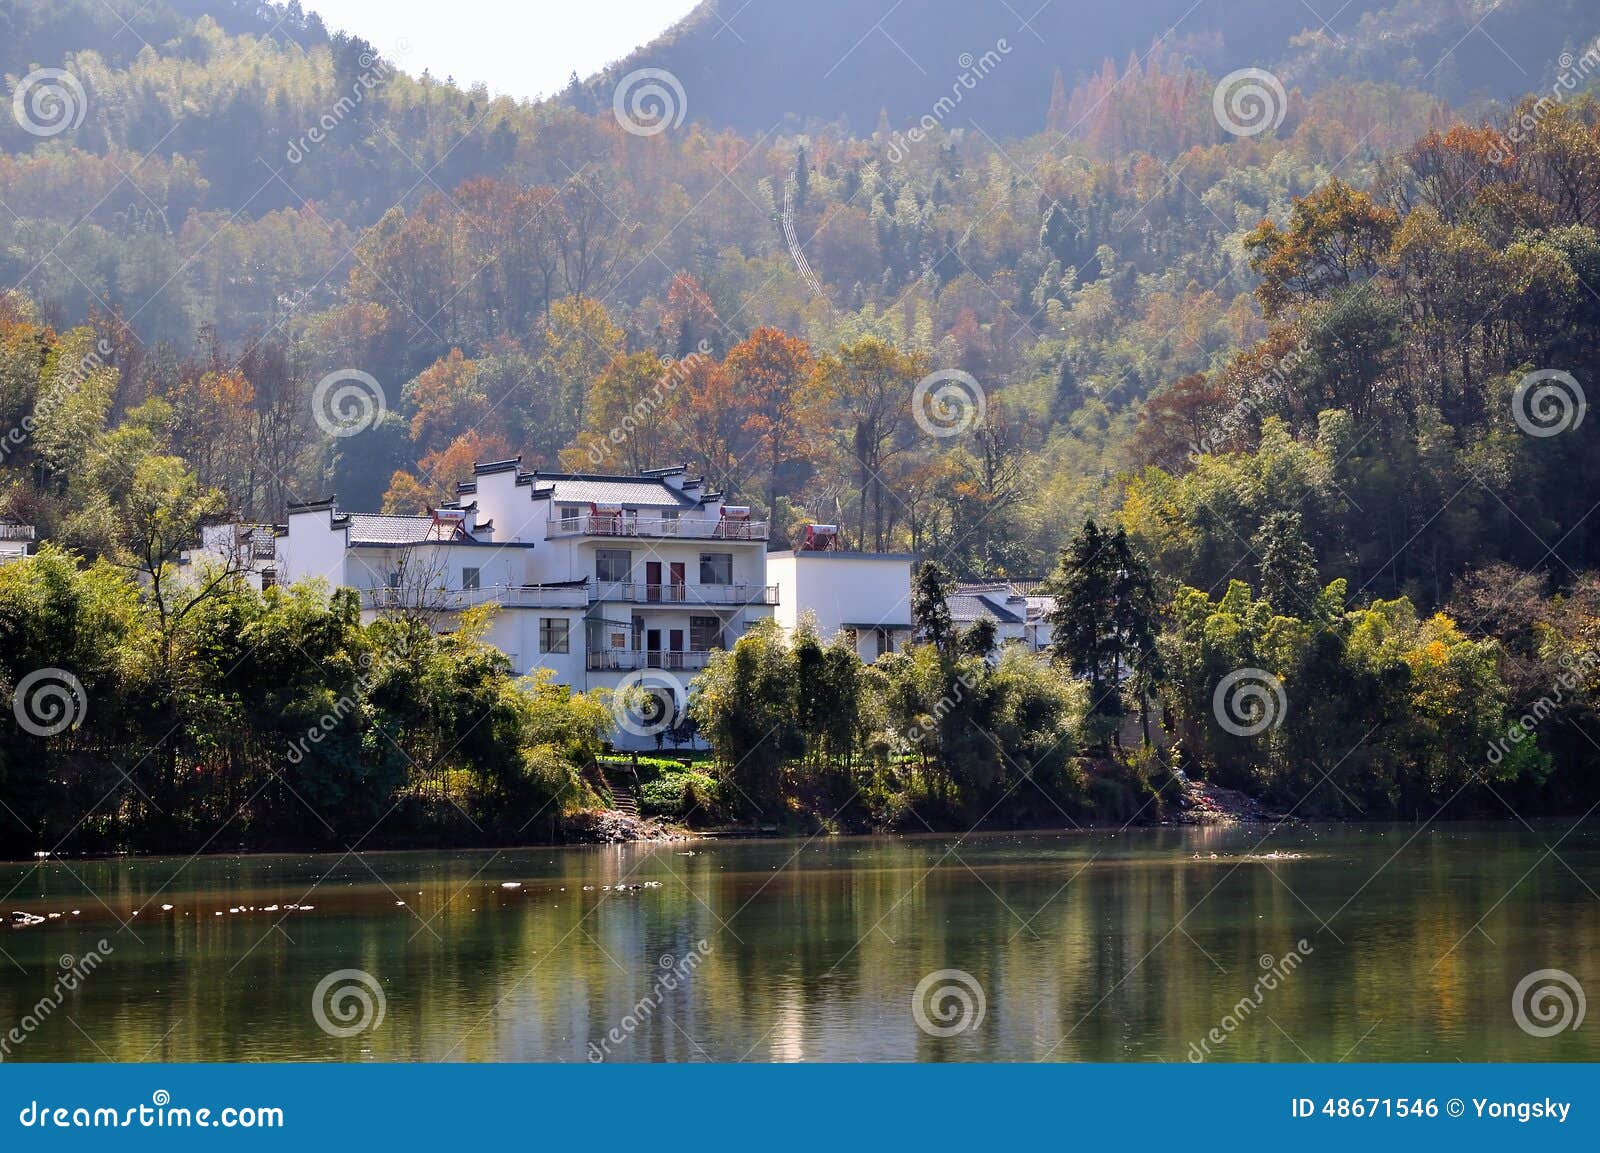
{"x":679,"y":581}
{"x":652,"y":580}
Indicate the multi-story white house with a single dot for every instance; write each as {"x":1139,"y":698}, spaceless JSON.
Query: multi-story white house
{"x":599,"y":578}
{"x":16,"y":540}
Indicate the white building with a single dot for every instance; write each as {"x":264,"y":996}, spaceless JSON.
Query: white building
{"x":603,"y":579}
{"x":866,"y":596}
{"x":16,"y":540}
{"x":249,"y":549}
{"x":1017,"y":608}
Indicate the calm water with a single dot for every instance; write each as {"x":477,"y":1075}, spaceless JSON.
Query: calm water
{"x":1086,"y":947}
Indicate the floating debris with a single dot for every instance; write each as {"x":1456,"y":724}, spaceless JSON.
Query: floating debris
{"x":54,"y":916}
{"x":270,"y":909}
{"x":166,"y":908}
{"x":18,"y":917}
{"x":511,"y":884}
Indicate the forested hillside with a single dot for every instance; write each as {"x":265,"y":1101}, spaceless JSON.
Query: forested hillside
{"x":1338,"y":353}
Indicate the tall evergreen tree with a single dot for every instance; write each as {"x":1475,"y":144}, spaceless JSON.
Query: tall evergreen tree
{"x":930,"y":610}
{"x":1104,"y":620}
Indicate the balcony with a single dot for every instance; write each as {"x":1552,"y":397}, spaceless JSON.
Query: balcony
{"x":657,"y":527}
{"x":724,"y":596}
{"x":16,"y":531}
{"x":452,"y":600}
{"x":626,"y":660}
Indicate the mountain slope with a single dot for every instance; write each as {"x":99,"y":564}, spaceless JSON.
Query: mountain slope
{"x":757,"y":64}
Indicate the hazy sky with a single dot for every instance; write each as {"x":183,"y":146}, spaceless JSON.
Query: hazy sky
{"x":523,"y":48}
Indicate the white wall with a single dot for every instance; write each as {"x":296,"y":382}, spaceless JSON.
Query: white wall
{"x":842,"y":589}
{"x":312,"y":549}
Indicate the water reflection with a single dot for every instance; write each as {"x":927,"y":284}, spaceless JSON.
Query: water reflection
{"x":1128,"y":946}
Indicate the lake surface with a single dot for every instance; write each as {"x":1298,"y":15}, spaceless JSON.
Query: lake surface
{"x":1131,"y":946}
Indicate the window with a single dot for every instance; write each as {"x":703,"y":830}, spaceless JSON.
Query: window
{"x":269,"y":579}
{"x":553,"y":636}
{"x":471,"y":579}
{"x":705,"y":633}
{"x":613,"y":565}
{"x":716,"y":568}
{"x":394,"y":579}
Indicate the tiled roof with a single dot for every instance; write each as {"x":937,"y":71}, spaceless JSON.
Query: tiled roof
{"x":970,"y":607}
{"x":374,"y":528}
{"x":632,"y":493}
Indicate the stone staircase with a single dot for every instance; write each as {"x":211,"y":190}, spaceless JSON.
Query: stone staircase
{"x":621,"y":783}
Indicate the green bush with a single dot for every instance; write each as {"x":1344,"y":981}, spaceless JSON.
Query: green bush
{"x":676,"y":794}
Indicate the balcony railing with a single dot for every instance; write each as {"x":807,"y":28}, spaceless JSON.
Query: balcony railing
{"x":664,"y":527}
{"x":450,"y":600}
{"x":626,"y":660}
{"x":16,"y":532}
{"x":687,"y":594}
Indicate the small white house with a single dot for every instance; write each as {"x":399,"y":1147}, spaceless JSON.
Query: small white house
{"x":249,"y":549}
{"x":16,"y":540}
{"x":866,"y":596}
{"x":1017,"y":608}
